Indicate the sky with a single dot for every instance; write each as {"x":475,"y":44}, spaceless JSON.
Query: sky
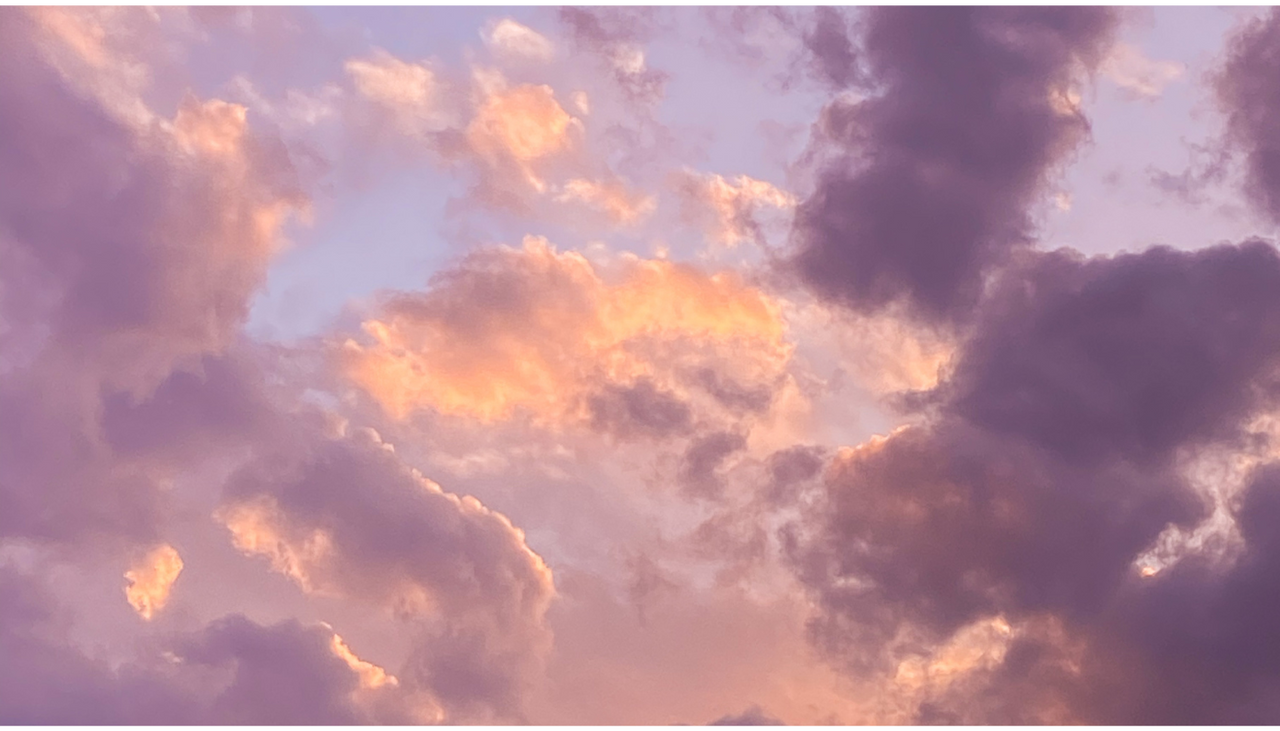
{"x":733,"y":366}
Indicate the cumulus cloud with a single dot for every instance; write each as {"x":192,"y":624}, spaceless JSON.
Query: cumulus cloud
{"x":935,"y":170}
{"x":1031,"y":548}
{"x":1059,"y":442}
{"x":345,"y":517}
{"x":232,"y":671}
{"x":132,"y":245}
{"x":550,"y":335}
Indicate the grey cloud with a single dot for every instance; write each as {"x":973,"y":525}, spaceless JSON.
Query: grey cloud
{"x":931,"y":188}
{"x":1049,"y":465}
{"x":753,"y":716}
{"x":702,"y":460}
{"x":1249,"y":93}
{"x":639,"y":409}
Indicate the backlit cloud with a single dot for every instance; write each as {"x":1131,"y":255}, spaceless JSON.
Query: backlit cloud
{"x":151,"y":579}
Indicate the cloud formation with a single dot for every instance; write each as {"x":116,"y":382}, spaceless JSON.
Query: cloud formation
{"x":554,"y":337}
{"x":968,"y":112}
{"x":151,"y":579}
{"x":131,"y":245}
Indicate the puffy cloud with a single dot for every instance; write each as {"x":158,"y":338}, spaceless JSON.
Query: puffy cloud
{"x":550,"y":335}
{"x":509,"y":37}
{"x":934,"y":172}
{"x":345,"y":517}
{"x":132,"y":245}
{"x":151,"y":579}
{"x":231,"y":671}
{"x":525,"y":122}
{"x":1056,"y":457}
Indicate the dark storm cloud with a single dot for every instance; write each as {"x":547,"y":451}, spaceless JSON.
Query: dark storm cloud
{"x":938,"y":166}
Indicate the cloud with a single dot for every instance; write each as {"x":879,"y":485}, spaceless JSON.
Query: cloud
{"x":151,"y":579}
{"x":831,"y":50}
{"x":935,"y":171}
{"x":753,"y":716}
{"x":509,"y":37}
{"x":551,"y":336}
{"x":345,"y":517}
{"x":1249,"y":95}
{"x":132,"y":245}
{"x":1055,"y":456}
{"x":409,"y":92}
{"x":621,"y":204}
{"x":524,"y":124}
{"x":728,"y":210}
{"x":616,"y":36}
{"x":231,"y":671}
{"x":1143,"y":77}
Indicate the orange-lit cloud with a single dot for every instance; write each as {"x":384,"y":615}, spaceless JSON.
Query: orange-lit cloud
{"x":521,"y":125}
{"x":538,"y":331}
{"x":621,"y":204}
{"x":727,"y":210}
{"x":151,"y":579}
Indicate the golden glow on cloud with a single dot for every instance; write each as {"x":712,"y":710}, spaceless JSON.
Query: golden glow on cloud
{"x":622,"y":205}
{"x":534,"y":329}
{"x":526,"y":122}
{"x":258,"y":529}
{"x":508,"y":36}
{"x":978,"y":646}
{"x":371,"y":676}
{"x":213,"y":127}
{"x":731,"y":206}
{"x":151,"y":579}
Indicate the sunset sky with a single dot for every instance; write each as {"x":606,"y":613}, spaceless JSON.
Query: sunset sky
{"x":639,"y":365}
